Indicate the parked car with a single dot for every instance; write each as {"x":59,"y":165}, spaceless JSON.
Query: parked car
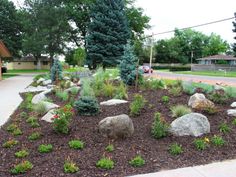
{"x":146,"y":69}
{"x":4,"y":69}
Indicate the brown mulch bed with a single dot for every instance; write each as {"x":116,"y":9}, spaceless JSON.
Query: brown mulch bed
{"x":155,"y":152}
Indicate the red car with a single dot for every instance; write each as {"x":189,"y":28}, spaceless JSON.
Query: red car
{"x":146,"y":69}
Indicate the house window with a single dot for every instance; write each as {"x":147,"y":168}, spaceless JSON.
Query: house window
{"x":45,"y":62}
{"x":19,"y":63}
{"x":35,"y":62}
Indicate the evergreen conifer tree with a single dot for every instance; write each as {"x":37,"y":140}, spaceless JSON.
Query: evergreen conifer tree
{"x":108,"y":32}
{"x":128,"y":65}
{"x":56,"y":71}
{"x":234,"y":30}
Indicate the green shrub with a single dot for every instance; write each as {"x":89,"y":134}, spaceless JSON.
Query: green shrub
{"x":10,"y":143}
{"x":56,"y":71}
{"x":234,"y":122}
{"x":230,"y":92}
{"x":165,"y":99}
{"x":87,"y":106}
{"x":109,"y":148}
{"x":175,"y":149}
{"x":137,"y":161}
{"x":17,"y":132}
{"x":137,"y":105}
{"x":23,"y":115}
{"x":224,"y":128}
{"x":34,"y":136}
{"x":200,"y":144}
{"x":21,"y":154}
{"x":87,"y":90}
{"x":33,"y":121}
{"x":11,"y":127}
{"x":26,"y":104}
{"x":76,"y":144}
{"x":218,"y":97}
{"x":45,"y":148}
{"x":153,"y":84}
{"x":205,"y":87}
{"x":180,"y":110}
{"x":40,"y":108}
{"x":21,"y":168}
{"x":159,"y":127}
{"x":108,"y":90}
{"x":217,"y":141}
{"x":63,"y":96}
{"x":188,"y":88}
{"x":175,"y":91}
{"x":70,"y":167}
{"x":121,"y":92}
{"x":74,"y":91}
{"x":105,"y":163}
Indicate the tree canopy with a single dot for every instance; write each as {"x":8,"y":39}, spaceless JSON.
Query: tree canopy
{"x":234,"y":30}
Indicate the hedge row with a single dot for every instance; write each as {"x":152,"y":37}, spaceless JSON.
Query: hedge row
{"x":173,"y":68}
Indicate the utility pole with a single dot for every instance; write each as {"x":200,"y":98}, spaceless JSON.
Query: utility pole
{"x":151,"y":54}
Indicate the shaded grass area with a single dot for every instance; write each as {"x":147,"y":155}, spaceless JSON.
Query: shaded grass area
{"x":209,"y":73}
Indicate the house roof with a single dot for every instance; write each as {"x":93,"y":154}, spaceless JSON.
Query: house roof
{"x":4,"y":52}
{"x":219,"y":57}
{"x":31,"y":59}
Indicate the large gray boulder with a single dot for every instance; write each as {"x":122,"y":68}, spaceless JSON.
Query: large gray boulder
{"x":34,"y":89}
{"x":232,"y":112}
{"x":40,"y":97}
{"x":113,"y":102}
{"x":193,"y":124}
{"x":120,"y":126}
{"x":200,"y":102}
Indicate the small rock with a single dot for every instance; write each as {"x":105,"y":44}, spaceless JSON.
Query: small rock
{"x":232,"y":112}
{"x":47,"y":82}
{"x":48,"y":117}
{"x":40,"y":80}
{"x":200,"y":102}
{"x":113,"y":102}
{"x":49,"y":105}
{"x":120,"y":126}
{"x":233,"y":105}
{"x":193,"y":124}
{"x":66,"y":78}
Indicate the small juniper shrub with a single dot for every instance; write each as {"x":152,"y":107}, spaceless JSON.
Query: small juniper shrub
{"x":40,"y":108}
{"x":159,"y":127}
{"x":87,"y":106}
{"x":45,"y":148}
{"x":21,"y":154}
{"x":21,"y":168}
{"x":105,"y":163}
{"x":70,"y":167}
{"x":137,"y":161}
{"x":87,"y":90}
{"x":76,"y":144}
{"x":137,"y":105}
{"x":62,"y":119}
{"x":217,"y":141}
{"x":109,"y":148}
{"x":224,"y":128}
{"x":35,"y":136}
{"x":180,"y":110}
{"x":165,"y":99}
{"x":10,"y":143}
{"x":200,"y":144}
{"x":218,"y":96}
{"x":175,"y":149}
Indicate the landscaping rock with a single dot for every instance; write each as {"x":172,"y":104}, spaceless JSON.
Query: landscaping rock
{"x":218,"y":87}
{"x":34,"y":89}
{"x":233,"y":105}
{"x":120,"y":126}
{"x":113,"y":102}
{"x":49,"y":105}
{"x":69,"y":89}
{"x":66,"y":78}
{"x":199,"y":101}
{"x":193,"y":124}
{"x":40,"y":97}
{"x":40,"y":80}
{"x":232,"y":112}
{"x":47,"y":82}
{"x":48,"y":117}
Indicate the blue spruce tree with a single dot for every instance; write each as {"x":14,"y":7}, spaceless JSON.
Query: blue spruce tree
{"x":108,"y":32}
{"x":56,"y":71}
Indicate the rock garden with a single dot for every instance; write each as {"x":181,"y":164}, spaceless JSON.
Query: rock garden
{"x":96,"y":124}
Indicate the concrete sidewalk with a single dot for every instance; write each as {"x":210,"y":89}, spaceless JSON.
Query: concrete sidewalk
{"x":219,"y":169}
{"x":9,"y":94}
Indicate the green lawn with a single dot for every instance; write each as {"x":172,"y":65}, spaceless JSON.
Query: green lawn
{"x":27,"y":71}
{"x":7,"y":75}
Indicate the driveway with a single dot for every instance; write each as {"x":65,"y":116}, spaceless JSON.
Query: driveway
{"x":9,"y":94}
{"x":186,"y":77}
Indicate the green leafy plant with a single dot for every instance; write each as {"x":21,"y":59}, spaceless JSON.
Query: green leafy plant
{"x":34,"y":136}
{"x":17,"y":132}
{"x":234,"y":122}
{"x":218,"y":96}
{"x":62,"y":118}
{"x":200,"y":144}
{"x":62,"y":95}
{"x":40,"y":108}
{"x":87,"y":90}
{"x":180,"y":110}
{"x":175,"y":149}
{"x":11,"y":127}
{"x":74,"y":91}
{"x":154,"y":84}
{"x":188,"y":88}
{"x":21,"y":168}
{"x":137,"y":161}
{"x":217,"y":141}
{"x":137,"y":105}
{"x":87,"y":106}
{"x":165,"y":99}
{"x":21,"y":154}
{"x":76,"y":144}
{"x":10,"y":143}
{"x":230,"y":92}
{"x":45,"y":148}
{"x":175,"y":91}
{"x":224,"y":128}
{"x":121,"y":91}
{"x":109,"y":148}
{"x":23,"y":115}
{"x":26,"y":104}
{"x":105,"y":163}
{"x":33,"y":121}
{"x":210,"y":110}
{"x":159,"y":127}
{"x":70,"y":167}
{"x":108,"y":89}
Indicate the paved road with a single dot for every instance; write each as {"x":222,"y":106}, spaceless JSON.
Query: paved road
{"x":9,"y":94}
{"x":195,"y":78}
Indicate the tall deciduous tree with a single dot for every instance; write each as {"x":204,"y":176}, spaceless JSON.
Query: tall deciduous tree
{"x":10,"y":28}
{"x":108,"y":32}
{"x":234,"y":30}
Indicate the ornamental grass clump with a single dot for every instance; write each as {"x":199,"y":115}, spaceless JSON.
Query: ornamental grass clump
{"x":200,"y":144}
{"x":35,"y":136}
{"x":217,"y":141}
{"x":70,"y":167}
{"x":21,"y":168}
{"x":21,"y":154}
{"x":180,"y":110}
{"x":40,"y":108}
{"x":87,"y":106}
{"x":121,"y":91}
{"x":159,"y":127}
{"x":62,"y":95}
{"x":62,"y":118}
{"x":137,"y":105}
{"x":45,"y":148}
{"x":10,"y":143}
{"x":76,"y":144}
{"x":137,"y":161}
{"x":175,"y":149}
{"x":105,"y":163}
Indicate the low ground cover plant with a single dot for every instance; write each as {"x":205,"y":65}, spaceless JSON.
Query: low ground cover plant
{"x":33,"y":121}
{"x":109,"y":148}
{"x":180,"y":110}
{"x":11,"y":127}
{"x":76,"y":144}
{"x":234,"y":122}
{"x":22,"y":168}
{"x":23,"y":115}
{"x":87,"y":106}
{"x":62,"y":95}
{"x":105,"y":163}
{"x":224,"y":128}
{"x":159,"y":127}
{"x":217,"y":141}
{"x":137,"y":161}
{"x":175,"y":91}
{"x":10,"y":143}
{"x":165,"y":99}
{"x":17,"y":132}
{"x":70,"y":167}
{"x":35,"y":136}
{"x":175,"y":149}
{"x":200,"y":144}
{"x":21,"y":154}
{"x":218,"y":96}
{"x":40,"y":108}
{"x":137,"y":105}
{"x":45,"y":148}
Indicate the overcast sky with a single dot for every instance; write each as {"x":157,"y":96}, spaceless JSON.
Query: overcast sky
{"x":169,"y":14}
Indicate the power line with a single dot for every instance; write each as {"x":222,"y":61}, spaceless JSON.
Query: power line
{"x":195,"y":26}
